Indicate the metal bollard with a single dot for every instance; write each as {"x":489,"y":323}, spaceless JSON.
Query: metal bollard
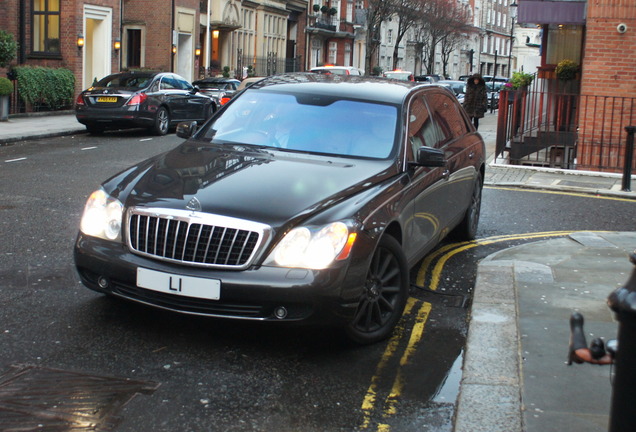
{"x":629,"y":157}
{"x":623,"y":303}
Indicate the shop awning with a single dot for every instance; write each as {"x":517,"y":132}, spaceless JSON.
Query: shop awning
{"x":552,"y":12}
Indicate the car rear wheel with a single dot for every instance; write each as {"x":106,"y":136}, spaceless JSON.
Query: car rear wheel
{"x":210,"y":111}
{"x":385,"y":293}
{"x":94,"y":130}
{"x":467,"y":228}
{"x":162,"y":122}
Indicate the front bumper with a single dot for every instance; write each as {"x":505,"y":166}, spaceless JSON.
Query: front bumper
{"x":307,"y":296}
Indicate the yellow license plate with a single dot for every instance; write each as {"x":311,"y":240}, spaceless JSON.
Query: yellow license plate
{"x":106,"y":99}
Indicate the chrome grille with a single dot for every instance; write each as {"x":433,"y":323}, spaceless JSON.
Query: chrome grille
{"x":194,"y":238}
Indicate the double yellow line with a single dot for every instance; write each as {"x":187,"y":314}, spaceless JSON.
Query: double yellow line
{"x":410,"y":338}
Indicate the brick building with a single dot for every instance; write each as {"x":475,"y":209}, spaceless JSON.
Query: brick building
{"x":189,"y":37}
{"x":582,"y":120}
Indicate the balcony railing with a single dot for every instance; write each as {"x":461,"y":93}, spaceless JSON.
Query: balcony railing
{"x":324,"y":21}
{"x":551,"y":125}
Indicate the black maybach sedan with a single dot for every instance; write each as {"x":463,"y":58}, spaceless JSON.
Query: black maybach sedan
{"x":152,"y":100}
{"x":307,"y":198}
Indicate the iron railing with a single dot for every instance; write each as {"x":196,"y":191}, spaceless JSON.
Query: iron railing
{"x":550,"y":124}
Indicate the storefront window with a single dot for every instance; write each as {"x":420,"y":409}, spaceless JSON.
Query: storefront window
{"x":564,"y":42}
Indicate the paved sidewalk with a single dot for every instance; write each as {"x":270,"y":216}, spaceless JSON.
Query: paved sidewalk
{"x":39,"y":126}
{"x":514,"y":378}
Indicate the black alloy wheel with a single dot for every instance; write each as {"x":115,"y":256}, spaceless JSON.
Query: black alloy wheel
{"x":467,"y":228}
{"x":385,"y":293}
{"x":162,"y":122}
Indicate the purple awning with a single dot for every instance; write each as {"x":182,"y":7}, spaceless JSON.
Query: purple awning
{"x":552,"y":12}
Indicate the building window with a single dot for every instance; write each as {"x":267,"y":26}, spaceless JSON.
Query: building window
{"x":389,"y":37}
{"x":46,"y":27}
{"x":133,"y":48}
{"x":347,"y":54}
{"x":333,"y":52}
{"x":349,"y":11}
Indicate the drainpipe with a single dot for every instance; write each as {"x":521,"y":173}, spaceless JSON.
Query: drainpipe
{"x":172,"y":31}
{"x":22,"y":54}
{"x":208,"y":41}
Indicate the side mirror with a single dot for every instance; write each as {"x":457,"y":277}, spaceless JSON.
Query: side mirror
{"x":429,"y":157}
{"x":187,"y":129}
{"x":195,"y":89}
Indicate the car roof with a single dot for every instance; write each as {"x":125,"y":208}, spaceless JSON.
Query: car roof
{"x":342,"y":86}
{"x":216,"y":80}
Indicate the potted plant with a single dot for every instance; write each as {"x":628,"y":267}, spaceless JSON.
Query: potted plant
{"x":316,"y":8}
{"x":8,"y":48}
{"x":6,"y":88}
{"x":324,"y":9}
{"x":521,"y":80}
{"x":566,"y":70}
{"x":333,"y":11}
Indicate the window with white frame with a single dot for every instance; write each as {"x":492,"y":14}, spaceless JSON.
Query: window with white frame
{"x":347,"y":54}
{"x":333,"y":52}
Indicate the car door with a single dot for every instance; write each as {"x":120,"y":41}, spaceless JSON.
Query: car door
{"x":454,"y":139}
{"x":427,"y":186}
{"x":194,"y":104}
{"x":175,"y":97}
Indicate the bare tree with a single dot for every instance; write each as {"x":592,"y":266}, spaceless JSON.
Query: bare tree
{"x":443,"y":22}
{"x":377,"y":12}
{"x":408,"y":14}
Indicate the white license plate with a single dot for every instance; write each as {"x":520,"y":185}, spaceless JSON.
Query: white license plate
{"x":180,"y":285}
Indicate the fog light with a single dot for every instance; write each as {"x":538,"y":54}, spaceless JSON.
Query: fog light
{"x":102,"y":282}
{"x":280,"y":312}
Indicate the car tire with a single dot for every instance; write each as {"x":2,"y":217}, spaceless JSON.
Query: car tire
{"x":162,"y":122}
{"x":95,"y":130}
{"x":211,"y":109}
{"x":467,"y":228}
{"x":386,"y":290}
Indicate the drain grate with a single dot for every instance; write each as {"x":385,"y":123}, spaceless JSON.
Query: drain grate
{"x":35,"y":398}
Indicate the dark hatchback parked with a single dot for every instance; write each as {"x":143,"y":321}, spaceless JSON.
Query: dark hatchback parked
{"x":307,"y":198}
{"x":155,"y":101}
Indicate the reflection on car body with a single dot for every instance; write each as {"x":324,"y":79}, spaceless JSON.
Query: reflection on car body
{"x":150,"y":100}
{"x":306,"y":199}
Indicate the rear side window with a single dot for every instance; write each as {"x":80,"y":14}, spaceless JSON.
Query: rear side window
{"x":423,"y":131}
{"x":169,"y":83}
{"x":445,"y":112}
{"x":126,"y":81}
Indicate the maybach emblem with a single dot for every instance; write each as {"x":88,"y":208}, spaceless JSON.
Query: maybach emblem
{"x":194,"y":204}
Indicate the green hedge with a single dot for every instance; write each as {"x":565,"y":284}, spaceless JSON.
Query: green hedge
{"x":40,"y":86}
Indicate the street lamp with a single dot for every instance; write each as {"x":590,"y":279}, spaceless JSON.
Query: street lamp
{"x":513,"y":16}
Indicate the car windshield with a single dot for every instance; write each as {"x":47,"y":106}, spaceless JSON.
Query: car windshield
{"x":213,"y":85}
{"x":307,"y":123}
{"x":495,"y":85}
{"x":125,"y":81}
{"x":458,"y":87}
{"x":398,"y":75}
{"x":334,"y":71}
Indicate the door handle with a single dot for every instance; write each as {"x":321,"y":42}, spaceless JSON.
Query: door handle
{"x":446,"y":174}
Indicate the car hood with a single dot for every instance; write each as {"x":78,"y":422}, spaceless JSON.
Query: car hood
{"x":268,"y":186}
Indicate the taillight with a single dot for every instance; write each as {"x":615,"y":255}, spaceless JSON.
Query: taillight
{"x":137,"y":99}
{"x":225,"y":99}
{"x":80,"y":99}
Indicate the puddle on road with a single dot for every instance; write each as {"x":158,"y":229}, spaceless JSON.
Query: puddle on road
{"x":35,"y":398}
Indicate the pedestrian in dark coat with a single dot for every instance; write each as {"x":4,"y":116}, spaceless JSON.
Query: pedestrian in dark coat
{"x":476,"y":98}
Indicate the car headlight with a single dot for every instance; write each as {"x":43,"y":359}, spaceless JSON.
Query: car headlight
{"x":102,"y":216}
{"x":313,"y":249}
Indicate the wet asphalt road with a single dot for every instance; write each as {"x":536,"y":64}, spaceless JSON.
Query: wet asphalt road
{"x":81,"y":358}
